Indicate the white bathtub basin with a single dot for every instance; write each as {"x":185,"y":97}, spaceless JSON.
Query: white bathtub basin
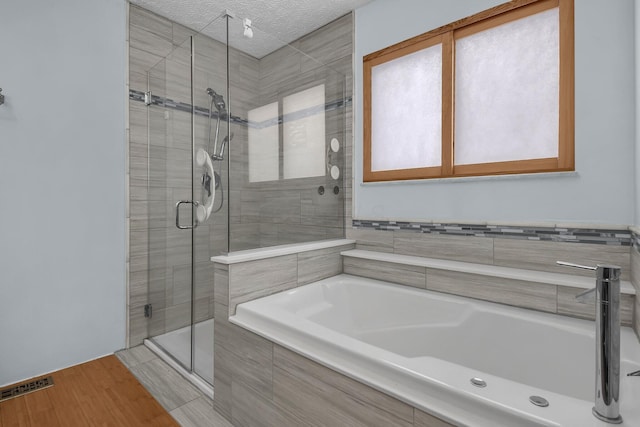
{"x":424,"y":347}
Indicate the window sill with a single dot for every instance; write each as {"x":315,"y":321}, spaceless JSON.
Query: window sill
{"x":455,"y":180}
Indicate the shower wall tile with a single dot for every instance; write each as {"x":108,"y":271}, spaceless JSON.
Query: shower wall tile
{"x":518,"y":293}
{"x":201,"y":310}
{"x":140,"y":61}
{"x":144,"y":40}
{"x":150,"y":22}
{"x":325,"y":45}
{"x":180,"y":33}
{"x":255,"y":279}
{"x":541,"y":255}
{"x":397,"y":273}
{"x":468,"y":249}
{"x":568,"y":305}
{"x":177,"y":316}
{"x":137,"y":325}
{"x":138,"y":288}
{"x":304,"y":233}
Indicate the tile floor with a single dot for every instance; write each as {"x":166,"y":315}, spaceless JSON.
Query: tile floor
{"x":188,"y":405}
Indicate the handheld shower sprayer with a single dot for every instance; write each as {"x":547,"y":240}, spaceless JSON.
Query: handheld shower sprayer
{"x":217,"y":101}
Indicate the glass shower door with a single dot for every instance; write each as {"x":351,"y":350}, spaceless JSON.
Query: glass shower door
{"x":170,"y":210}
{"x":212,"y":142}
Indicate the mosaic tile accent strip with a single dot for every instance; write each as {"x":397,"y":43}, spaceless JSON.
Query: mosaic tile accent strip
{"x":136,"y":95}
{"x":554,"y":234}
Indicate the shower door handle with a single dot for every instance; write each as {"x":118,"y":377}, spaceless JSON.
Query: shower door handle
{"x":194,"y":222}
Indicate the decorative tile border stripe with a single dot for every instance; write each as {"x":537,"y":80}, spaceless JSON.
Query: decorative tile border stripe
{"x":554,"y":234}
{"x":136,"y":95}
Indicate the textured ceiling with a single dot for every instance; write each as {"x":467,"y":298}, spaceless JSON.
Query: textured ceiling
{"x":281,"y":21}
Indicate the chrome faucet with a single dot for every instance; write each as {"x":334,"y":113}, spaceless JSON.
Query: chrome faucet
{"x":607,"y":297}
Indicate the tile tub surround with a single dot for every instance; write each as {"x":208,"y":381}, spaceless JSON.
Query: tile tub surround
{"x":530,"y":247}
{"x":499,"y":249}
{"x":536,"y":290}
{"x":259,"y":383}
{"x":240,"y":357}
{"x":319,"y":323}
{"x":255,"y":273}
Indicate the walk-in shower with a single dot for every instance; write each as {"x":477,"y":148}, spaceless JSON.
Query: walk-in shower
{"x":238,"y":133}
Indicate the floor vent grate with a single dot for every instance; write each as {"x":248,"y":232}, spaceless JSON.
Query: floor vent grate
{"x":25,"y":388}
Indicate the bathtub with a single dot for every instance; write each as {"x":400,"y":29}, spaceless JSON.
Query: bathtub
{"x":424,"y":347}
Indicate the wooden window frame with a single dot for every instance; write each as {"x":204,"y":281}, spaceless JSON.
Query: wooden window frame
{"x":446,"y":36}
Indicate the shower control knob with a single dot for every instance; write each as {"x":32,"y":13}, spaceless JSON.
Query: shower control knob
{"x":321,"y":190}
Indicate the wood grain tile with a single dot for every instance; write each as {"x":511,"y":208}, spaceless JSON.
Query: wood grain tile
{"x":468,"y":249}
{"x":371,"y":240}
{"x":165,"y":384}
{"x":221,"y":284}
{"x":328,"y":43}
{"x":255,"y":279}
{"x":422,"y":419}
{"x":568,"y":305}
{"x":635,"y":269}
{"x":136,"y":355}
{"x":319,"y":404}
{"x":150,"y":22}
{"x":397,"y":273}
{"x":248,"y":357}
{"x":512,"y":292}
{"x":539,"y":255}
{"x":199,"y":413}
{"x":311,"y":373}
{"x":636,"y":317}
{"x":149,"y":42}
{"x":320,"y":264}
{"x":250,"y":409}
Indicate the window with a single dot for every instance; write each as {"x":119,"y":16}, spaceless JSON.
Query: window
{"x":489,"y":94}
{"x":303,"y":128}
{"x":301,"y":153}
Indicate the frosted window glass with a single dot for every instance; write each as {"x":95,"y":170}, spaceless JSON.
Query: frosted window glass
{"x":406,"y":111}
{"x":304,"y":133}
{"x":507,"y":92}
{"x":264,"y":143}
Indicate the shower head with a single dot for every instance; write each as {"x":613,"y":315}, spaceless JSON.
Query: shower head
{"x":217,"y":100}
